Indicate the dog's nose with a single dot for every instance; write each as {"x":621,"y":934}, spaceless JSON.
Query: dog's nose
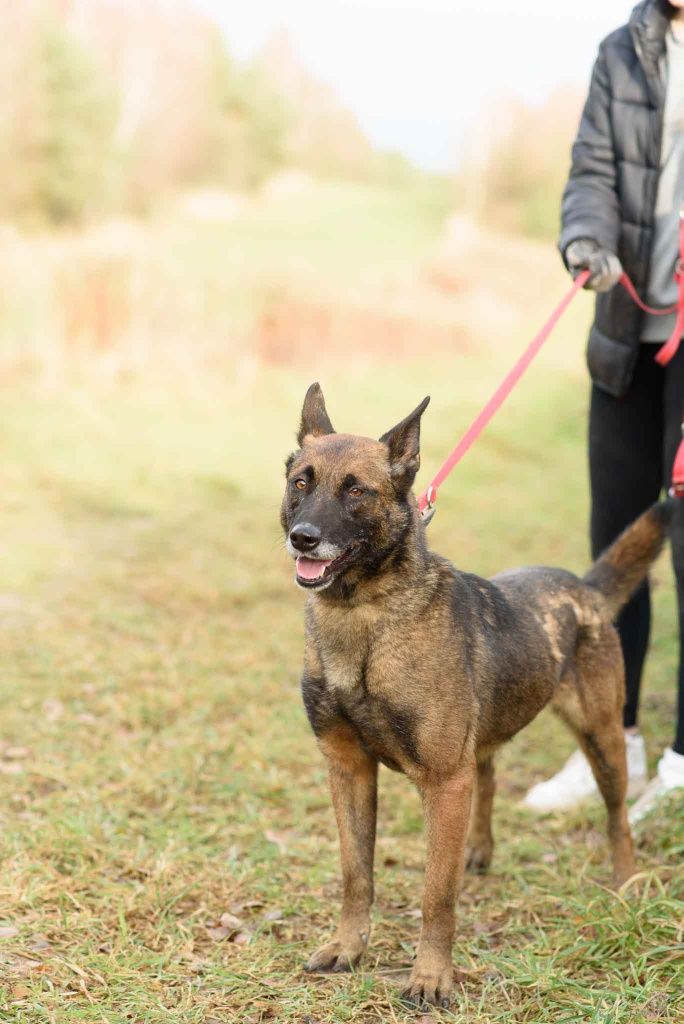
{"x":305,"y":536}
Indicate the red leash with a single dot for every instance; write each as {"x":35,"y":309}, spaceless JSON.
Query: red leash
{"x":670,"y":347}
{"x":426,"y":501}
{"x":626,"y":283}
{"x":677,"y":488}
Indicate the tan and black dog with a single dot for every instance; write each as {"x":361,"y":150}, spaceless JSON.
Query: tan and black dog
{"x":428,"y":670}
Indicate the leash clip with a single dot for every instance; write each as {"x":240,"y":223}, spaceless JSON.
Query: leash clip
{"x":429,"y":510}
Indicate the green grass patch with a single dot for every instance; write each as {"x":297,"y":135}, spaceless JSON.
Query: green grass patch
{"x":168,"y":847}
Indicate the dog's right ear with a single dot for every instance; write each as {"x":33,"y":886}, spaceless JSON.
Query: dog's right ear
{"x":315,"y":420}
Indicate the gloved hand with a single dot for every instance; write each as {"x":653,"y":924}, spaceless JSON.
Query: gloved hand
{"x":604,"y":266}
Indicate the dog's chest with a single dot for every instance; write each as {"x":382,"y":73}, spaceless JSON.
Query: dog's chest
{"x":362,"y":689}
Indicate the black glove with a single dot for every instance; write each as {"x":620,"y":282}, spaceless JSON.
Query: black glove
{"x":604,"y":266}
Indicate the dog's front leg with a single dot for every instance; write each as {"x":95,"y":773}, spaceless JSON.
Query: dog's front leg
{"x":447,"y":810}
{"x":353,"y":783}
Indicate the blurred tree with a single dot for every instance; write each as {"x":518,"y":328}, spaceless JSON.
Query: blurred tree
{"x":324,"y":138}
{"x":247,"y":125}
{"x":115,"y":105}
{"x":518,"y":163}
{"x":18,"y":113}
{"x":73,"y":163}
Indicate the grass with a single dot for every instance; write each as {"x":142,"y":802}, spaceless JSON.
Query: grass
{"x":171,"y":293}
{"x":169,"y":851}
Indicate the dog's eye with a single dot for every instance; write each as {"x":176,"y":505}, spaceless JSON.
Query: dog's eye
{"x":355,"y":492}
{"x":300,"y":483}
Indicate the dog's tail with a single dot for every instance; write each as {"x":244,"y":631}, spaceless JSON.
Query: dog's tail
{"x":622,"y":567}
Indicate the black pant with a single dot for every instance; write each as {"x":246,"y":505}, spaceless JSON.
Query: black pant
{"x":632,"y":444}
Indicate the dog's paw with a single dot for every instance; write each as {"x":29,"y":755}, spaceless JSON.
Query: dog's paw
{"x":336,"y":956}
{"x":478,"y":859}
{"x":429,"y":987}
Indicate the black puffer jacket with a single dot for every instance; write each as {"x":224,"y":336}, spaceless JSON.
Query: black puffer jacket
{"x":611,"y":192}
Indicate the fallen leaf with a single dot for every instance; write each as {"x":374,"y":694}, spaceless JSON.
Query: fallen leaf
{"x":15,"y":753}
{"x":22,"y":965}
{"x":52,"y":709}
{"x":8,"y":931}
{"x":241,"y":938}
{"x":461,"y":977}
{"x":19,"y":992}
{"x":273,"y":915}
{"x":656,"y":1007}
{"x":239,"y":905}
{"x":230,"y":922}
{"x":278,"y":838}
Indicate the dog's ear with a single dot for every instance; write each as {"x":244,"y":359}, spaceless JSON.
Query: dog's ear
{"x":315,"y":420}
{"x":403,"y":442}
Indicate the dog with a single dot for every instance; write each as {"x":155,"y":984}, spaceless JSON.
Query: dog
{"x":415,"y":665}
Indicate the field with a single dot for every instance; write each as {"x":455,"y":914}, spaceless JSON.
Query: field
{"x":168,"y":848}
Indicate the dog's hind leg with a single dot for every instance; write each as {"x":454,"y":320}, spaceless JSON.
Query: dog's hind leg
{"x":592,"y":708}
{"x":604,"y":746}
{"x":353,"y":779}
{"x":480,"y":841}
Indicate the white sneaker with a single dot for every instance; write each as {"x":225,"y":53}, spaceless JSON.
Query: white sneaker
{"x":670,"y":775}
{"x":575,"y":782}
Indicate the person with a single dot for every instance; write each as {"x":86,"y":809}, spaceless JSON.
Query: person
{"x":620,"y":210}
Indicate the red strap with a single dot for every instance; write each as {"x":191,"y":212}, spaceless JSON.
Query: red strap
{"x":670,"y":347}
{"x":677,"y":489}
{"x":627,"y":284}
{"x":427,"y":498}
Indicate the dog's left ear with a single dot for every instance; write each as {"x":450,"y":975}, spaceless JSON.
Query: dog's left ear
{"x":403,"y":442}
{"x":315,"y":420}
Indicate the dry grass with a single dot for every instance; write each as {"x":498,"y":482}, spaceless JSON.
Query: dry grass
{"x":313,"y":279}
{"x":168,"y":848}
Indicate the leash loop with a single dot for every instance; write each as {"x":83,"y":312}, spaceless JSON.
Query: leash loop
{"x":669,"y":349}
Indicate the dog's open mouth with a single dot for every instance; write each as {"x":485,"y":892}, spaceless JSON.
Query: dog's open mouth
{"x":314,"y":572}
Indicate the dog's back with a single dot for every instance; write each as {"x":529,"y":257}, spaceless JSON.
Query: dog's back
{"x":562,"y":619}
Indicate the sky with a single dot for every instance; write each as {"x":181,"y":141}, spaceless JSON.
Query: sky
{"x":416,"y":72}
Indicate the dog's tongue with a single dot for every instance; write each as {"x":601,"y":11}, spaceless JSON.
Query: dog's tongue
{"x":311,"y":568}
